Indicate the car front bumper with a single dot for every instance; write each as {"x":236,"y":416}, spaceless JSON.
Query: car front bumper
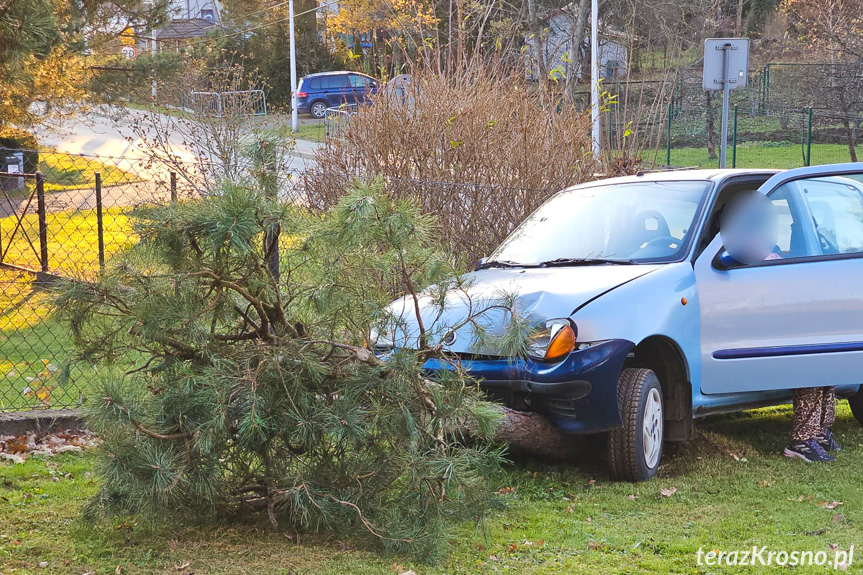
{"x":578,"y":394}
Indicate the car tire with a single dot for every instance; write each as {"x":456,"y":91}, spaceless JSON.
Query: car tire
{"x":855,"y":402}
{"x":635,"y":449}
{"x":318,"y":109}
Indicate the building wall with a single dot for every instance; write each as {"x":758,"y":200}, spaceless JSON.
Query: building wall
{"x":191,"y":9}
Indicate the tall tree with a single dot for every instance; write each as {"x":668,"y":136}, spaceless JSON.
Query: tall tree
{"x":28,"y":34}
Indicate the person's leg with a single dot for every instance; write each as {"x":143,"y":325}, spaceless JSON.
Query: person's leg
{"x":828,"y":418}
{"x":806,"y":421}
{"x":806,"y":426}
{"x":828,"y":408}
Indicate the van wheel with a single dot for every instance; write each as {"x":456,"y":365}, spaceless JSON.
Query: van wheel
{"x":855,"y":402}
{"x":318,"y":109}
{"x":634,"y":450}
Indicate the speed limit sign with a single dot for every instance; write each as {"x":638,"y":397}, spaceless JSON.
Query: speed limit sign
{"x":129,"y":52}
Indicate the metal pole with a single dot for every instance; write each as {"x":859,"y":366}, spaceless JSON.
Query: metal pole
{"x":594,"y":76}
{"x":173,"y":187}
{"x":100,"y":231}
{"x":43,"y":224}
{"x":809,"y":138}
{"x":668,"y":135}
{"x":726,"y":95}
{"x":294,"y":118}
{"x":734,"y":140}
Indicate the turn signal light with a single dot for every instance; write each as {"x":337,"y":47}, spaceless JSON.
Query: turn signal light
{"x":562,"y":343}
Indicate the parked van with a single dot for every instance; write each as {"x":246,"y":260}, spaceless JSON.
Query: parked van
{"x":317,"y":92}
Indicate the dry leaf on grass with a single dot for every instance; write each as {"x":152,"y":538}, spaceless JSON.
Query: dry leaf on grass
{"x":668,"y":492}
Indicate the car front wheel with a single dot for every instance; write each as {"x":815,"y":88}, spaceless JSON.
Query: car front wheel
{"x":318,"y":109}
{"x":635,"y":449}
{"x":855,"y":402}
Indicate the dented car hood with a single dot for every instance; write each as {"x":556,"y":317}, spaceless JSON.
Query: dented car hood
{"x":540,"y":294}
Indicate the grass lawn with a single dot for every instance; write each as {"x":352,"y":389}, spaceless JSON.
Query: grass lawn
{"x":758,"y":155}
{"x":312,"y":131}
{"x":73,"y":172}
{"x":33,"y":345}
{"x":733,"y":491}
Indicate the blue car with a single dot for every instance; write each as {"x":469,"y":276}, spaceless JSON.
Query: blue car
{"x":317,"y":92}
{"x":643,"y":321}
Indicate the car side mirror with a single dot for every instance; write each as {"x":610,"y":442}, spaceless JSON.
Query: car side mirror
{"x":724,"y":261}
{"x":479,"y":264}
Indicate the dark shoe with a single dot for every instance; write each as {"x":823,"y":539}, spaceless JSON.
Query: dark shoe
{"x":827,"y":442}
{"x":809,"y":451}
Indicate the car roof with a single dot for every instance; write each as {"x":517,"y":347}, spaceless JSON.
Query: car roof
{"x":334,"y":73}
{"x":681,"y":175}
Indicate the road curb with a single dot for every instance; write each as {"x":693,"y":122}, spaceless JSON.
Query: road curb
{"x":40,"y":421}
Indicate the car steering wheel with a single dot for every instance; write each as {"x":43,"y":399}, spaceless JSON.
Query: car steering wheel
{"x":827,"y":247}
{"x":664,"y":241}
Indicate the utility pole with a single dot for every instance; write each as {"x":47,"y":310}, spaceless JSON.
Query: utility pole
{"x":594,"y":77}
{"x":294,"y":118}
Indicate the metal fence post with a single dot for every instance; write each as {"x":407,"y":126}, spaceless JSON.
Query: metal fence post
{"x":734,"y":140}
{"x":100,"y":231}
{"x":173,"y":186}
{"x":668,"y":135}
{"x":43,"y":223}
{"x":809,"y":137}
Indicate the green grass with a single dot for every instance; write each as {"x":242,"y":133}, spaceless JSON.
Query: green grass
{"x":65,"y":171}
{"x":311,"y":131}
{"x":32,"y":342}
{"x":733,"y":491}
{"x":759,"y":155}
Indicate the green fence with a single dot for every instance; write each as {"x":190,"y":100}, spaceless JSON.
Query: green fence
{"x":787,"y":140}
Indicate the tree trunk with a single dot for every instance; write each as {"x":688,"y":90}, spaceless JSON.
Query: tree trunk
{"x":576,"y":37}
{"x":711,"y":126}
{"x":527,"y":432}
{"x":538,"y":41}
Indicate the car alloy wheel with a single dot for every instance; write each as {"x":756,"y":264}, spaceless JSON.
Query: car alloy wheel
{"x":319,"y":109}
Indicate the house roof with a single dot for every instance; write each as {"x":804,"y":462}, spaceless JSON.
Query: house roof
{"x":180,"y":29}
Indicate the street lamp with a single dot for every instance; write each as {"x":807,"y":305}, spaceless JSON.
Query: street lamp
{"x":594,"y":77}
{"x":294,"y":119}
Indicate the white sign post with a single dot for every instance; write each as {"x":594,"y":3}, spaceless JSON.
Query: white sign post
{"x":726,"y":68}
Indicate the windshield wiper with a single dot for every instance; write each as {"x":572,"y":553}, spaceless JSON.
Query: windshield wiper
{"x":584,"y":262}
{"x":503,"y":264}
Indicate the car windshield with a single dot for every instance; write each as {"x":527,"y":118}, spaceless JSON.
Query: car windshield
{"x":640,"y":222}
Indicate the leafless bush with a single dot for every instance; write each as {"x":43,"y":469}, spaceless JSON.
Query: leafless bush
{"x":478,"y":151}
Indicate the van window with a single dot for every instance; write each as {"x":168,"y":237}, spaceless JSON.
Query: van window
{"x":336,"y":82}
{"x":358,"y":81}
{"x":315,"y":84}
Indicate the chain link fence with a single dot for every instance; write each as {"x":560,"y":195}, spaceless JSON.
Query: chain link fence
{"x":790,"y":115}
{"x":66,"y":220}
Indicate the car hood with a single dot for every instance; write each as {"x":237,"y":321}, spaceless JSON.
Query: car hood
{"x":538,"y":294}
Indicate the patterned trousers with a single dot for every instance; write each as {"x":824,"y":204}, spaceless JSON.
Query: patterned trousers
{"x":814,"y":411}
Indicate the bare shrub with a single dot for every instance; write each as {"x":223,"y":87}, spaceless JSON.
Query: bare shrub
{"x":479,"y":151}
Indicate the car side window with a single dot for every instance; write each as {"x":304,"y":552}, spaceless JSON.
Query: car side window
{"x":338,"y":81}
{"x":836,"y":205}
{"x":315,"y":84}
{"x":358,"y":81}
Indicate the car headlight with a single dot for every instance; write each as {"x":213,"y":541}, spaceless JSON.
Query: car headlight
{"x":380,"y":337}
{"x":552,"y":341}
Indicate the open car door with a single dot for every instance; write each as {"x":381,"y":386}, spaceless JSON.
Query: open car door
{"x":794,"y":319}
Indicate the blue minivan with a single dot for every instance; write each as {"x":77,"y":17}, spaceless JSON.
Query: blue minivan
{"x":643,"y":320}
{"x":317,"y":92}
